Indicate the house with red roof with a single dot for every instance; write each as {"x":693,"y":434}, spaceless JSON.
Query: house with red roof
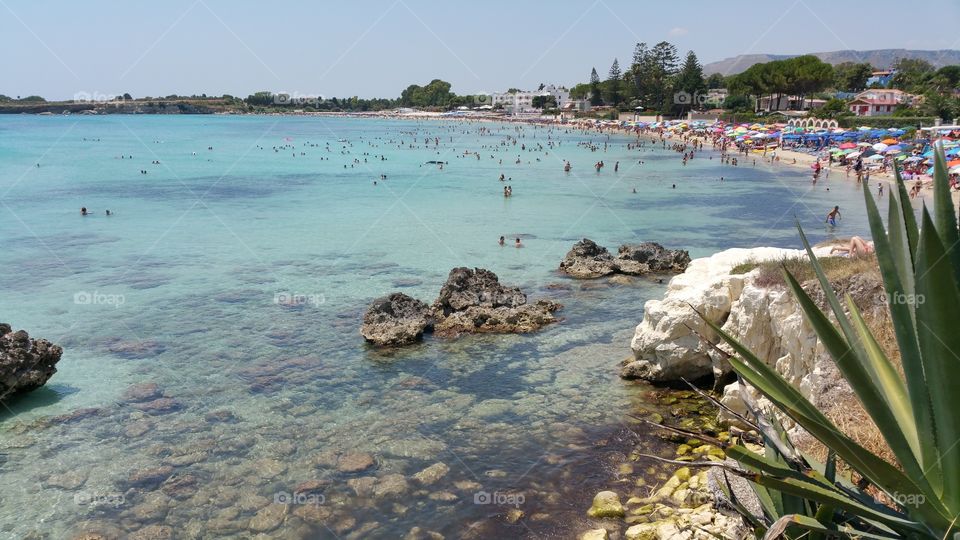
{"x":878,"y":102}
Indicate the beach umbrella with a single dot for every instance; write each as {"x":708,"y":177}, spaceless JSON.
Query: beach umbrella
{"x":913,"y":159}
{"x":889,"y":141}
{"x":847,"y":145}
{"x":880,"y":147}
{"x":953,"y":163}
{"x":853,"y":155}
{"x":955,"y":170}
{"x":874,"y":157}
{"x":895,"y":148}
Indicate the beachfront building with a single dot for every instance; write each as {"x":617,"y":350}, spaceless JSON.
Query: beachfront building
{"x":520,"y":101}
{"x":789,"y":103}
{"x":879,"y":102}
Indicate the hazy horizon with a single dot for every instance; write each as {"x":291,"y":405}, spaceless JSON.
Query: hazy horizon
{"x":213,"y":47}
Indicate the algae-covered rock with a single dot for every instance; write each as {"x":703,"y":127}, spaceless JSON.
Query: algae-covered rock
{"x":606,"y":504}
{"x":642,"y":531}
{"x":595,"y":534}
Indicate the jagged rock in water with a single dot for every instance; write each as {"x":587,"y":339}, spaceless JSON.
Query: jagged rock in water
{"x":474,"y":301}
{"x":639,"y":259}
{"x":588,"y":260}
{"x":25,"y":364}
{"x":396,"y":320}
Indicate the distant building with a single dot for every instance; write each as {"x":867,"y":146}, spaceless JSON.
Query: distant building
{"x":522,"y":101}
{"x":879,"y":102}
{"x":881,"y":78}
{"x":789,"y":103}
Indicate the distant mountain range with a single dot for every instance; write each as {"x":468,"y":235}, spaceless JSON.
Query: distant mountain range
{"x":879,"y":58}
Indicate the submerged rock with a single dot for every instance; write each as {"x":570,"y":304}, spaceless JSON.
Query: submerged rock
{"x":25,"y":364}
{"x":353,"y":463}
{"x":396,"y":320}
{"x":474,"y":301}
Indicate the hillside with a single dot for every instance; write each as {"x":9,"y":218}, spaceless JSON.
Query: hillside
{"x":879,"y":58}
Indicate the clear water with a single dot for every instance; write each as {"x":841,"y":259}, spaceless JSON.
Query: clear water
{"x":179,"y":288}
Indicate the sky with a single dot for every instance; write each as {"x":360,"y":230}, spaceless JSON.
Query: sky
{"x":377,"y":48}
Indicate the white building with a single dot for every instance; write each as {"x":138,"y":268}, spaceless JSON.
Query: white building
{"x":522,"y":101}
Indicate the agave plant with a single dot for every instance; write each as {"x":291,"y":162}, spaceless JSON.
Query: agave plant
{"x":918,"y":413}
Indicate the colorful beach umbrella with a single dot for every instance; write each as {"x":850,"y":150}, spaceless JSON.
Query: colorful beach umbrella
{"x":847,"y":145}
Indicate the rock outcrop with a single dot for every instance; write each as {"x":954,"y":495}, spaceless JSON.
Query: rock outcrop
{"x":474,"y":301}
{"x":395,"y":320}
{"x":764,"y":318}
{"x":471,"y":301}
{"x":587,"y":260}
{"x":25,"y":363}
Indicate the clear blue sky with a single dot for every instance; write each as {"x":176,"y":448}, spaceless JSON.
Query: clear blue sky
{"x":376,"y":48}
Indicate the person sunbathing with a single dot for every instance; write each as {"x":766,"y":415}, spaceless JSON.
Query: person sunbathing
{"x":857,"y":246}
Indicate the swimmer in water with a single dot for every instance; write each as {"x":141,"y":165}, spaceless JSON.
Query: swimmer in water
{"x":518,"y":244}
{"x":83,"y":211}
{"x":833,"y":216}
{"x":502,"y":241}
{"x":109,"y":213}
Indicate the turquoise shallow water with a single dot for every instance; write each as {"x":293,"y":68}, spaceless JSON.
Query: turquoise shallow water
{"x":179,"y":288}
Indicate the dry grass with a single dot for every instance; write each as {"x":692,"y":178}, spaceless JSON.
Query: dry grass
{"x":836,"y":268}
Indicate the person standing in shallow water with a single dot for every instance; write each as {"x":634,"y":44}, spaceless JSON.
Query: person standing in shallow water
{"x":502,"y":241}
{"x":833,"y":216}
{"x":518,"y":244}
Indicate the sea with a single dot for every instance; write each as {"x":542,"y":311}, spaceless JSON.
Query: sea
{"x":213,"y":377}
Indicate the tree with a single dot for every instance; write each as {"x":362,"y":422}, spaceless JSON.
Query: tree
{"x":715,"y":80}
{"x":689,"y":83}
{"x":637,"y":74}
{"x":544,"y":102}
{"x":851,"y":77}
{"x":435,"y":94}
{"x":595,"y":98}
{"x":660,"y":69}
{"x":911,"y":73}
{"x":613,"y":91}
{"x":580,"y":91}
{"x":34,"y":99}
{"x":260,"y":99}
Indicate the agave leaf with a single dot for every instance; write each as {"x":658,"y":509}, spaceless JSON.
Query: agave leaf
{"x":897,"y":521}
{"x":878,"y":471}
{"x":765,"y":465}
{"x":898,"y":284}
{"x":937,"y":317}
{"x":860,"y":373}
{"x":946,"y":221}
{"x":906,"y":211}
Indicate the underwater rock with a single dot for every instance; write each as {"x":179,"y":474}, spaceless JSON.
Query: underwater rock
{"x":354,"y":463}
{"x":149,"y":477}
{"x":142,"y":392}
{"x":396,"y":320}
{"x":25,"y":363}
{"x":391,"y":485}
{"x":595,"y":534}
{"x":474,"y":301}
{"x":159,"y":406}
{"x":69,"y":481}
{"x":432,"y":474}
{"x":153,"y":532}
{"x":268,"y":518}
